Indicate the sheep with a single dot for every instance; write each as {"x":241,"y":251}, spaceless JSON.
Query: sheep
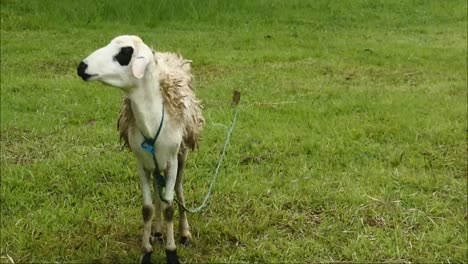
{"x":159,"y":98}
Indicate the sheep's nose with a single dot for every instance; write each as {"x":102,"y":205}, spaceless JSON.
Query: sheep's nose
{"x":81,"y":71}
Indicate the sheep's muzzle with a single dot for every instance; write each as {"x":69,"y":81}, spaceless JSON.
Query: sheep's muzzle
{"x":81,"y":71}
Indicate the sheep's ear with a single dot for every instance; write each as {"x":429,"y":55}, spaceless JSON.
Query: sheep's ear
{"x":139,"y":66}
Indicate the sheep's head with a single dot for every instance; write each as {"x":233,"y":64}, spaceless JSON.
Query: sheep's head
{"x":121,"y":63}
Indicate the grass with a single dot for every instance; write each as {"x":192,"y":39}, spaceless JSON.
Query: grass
{"x":350,"y":144}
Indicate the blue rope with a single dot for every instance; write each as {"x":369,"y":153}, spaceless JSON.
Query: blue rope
{"x":148,"y":145}
{"x":215,"y":174}
{"x":160,"y":181}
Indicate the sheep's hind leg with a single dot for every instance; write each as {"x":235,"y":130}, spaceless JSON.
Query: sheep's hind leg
{"x":184,"y":228}
{"x":168,"y":211}
{"x":147,"y":212}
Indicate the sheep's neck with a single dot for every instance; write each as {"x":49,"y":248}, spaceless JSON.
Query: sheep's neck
{"x":147,"y":105}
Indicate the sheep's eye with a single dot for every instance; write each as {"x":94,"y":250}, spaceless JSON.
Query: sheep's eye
{"x":124,"y":56}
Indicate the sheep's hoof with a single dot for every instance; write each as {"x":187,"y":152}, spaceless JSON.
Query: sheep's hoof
{"x":146,"y":258}
{"x":171,"y":256}
{"x":157,"y":238}
{"x":185,"y":241}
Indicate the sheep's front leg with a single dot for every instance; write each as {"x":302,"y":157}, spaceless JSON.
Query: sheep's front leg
{"x":147,"y":211}
{"x":168,"y":210}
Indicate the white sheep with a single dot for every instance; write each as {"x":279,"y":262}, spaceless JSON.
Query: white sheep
{"x":159,"y":99}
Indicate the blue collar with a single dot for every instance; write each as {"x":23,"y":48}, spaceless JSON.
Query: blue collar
{"x":148,"y":143}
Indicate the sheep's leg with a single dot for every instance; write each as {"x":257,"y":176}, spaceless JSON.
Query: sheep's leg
{"x":147,"y":211}
{"x":184,"y":228}
{"x":157,"y":226}
{"x":168,"y":210}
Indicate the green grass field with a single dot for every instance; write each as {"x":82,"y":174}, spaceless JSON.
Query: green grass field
{"x":351,"y":143}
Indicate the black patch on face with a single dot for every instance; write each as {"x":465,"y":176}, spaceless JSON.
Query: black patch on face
{"x":124,"y":56}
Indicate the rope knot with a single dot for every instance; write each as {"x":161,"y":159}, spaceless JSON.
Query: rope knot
{"x":148,"y":146}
